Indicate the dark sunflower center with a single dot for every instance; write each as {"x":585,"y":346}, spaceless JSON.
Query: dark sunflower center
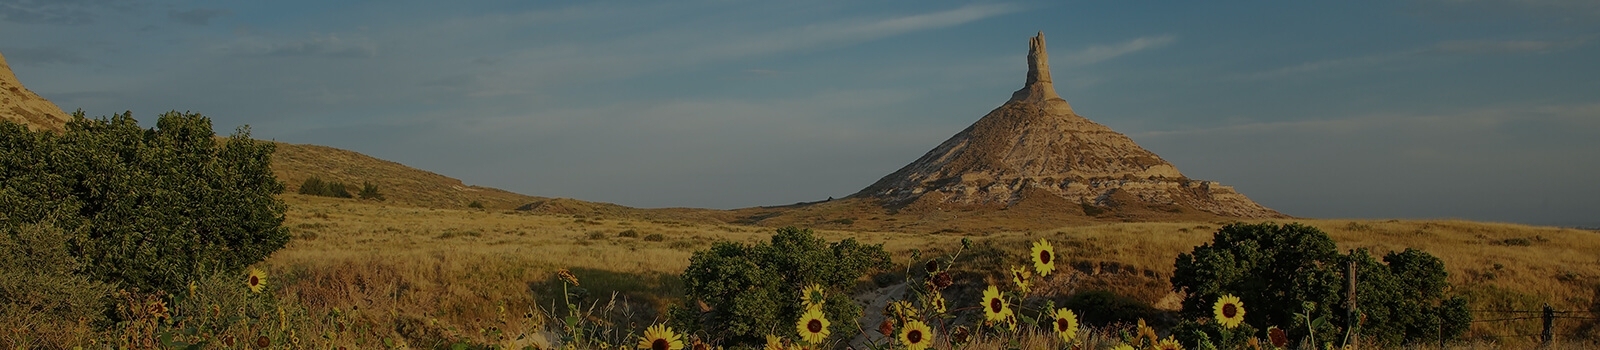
{"x":996,"y":305}
{"x":1044,"y":257}
{"x":914,"y":336}
{"x":659,"y":344}
{"x":815,"y":326}
{"x":1230,"y":310}
{"x":255,"y":280}
{"x":1062,"y":325}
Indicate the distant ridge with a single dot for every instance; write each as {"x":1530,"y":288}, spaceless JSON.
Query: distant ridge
{"x":18,"y":104}
{"x":1035,"y":148}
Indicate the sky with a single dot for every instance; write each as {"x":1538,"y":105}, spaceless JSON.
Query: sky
{"x":1473,"y":109}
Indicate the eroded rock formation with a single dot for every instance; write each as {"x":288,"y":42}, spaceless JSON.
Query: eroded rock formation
{"x":18,"y":104}
{"x":1036,"y":142}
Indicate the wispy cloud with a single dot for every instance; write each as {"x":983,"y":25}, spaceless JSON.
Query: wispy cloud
{"x":848,"y":32}
{"x":197,"y":17}
{"x":1477,"y":47}
{"x":1450,"y":47}
{"x":44,"y":55}
{"x":1098,"y":53}
{"x":59,"y":12}
{"x":331,"y":45}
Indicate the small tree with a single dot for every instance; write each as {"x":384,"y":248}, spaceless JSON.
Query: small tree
{"x":313,"y":186}
{"x":752,"y":291}
{"x":146,"y":209}
{"x":338,"y":190}
{"x":370,"y":191}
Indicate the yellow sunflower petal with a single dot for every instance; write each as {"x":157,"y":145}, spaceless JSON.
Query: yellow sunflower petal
{"x":660,"y":337}
{"x":1044,"y":257}
{"x":812,"y":326}
{"x":1066,"y":325}
{"x":916,"y":335}
{"x":994,"y":305}
{"x":256,"y":280}
{"x":1229,"y":311}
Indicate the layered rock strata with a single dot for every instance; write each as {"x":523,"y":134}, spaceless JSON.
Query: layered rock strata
{"x":20,"y":105}
{"x":1036,"y":141}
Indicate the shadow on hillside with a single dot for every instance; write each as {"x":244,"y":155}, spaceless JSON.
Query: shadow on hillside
{"x":631,"y":300}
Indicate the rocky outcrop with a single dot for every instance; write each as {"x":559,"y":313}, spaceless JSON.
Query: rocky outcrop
{"x":1036,"y":141}
{"x":20,"y":105}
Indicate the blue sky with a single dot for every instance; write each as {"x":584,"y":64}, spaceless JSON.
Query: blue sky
{"x":1477,"y":109}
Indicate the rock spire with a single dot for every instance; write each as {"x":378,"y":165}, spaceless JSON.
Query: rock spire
{"x":1035,"y":145}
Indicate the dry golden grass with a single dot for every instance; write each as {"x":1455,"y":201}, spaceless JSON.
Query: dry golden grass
{"x":457,"y":267}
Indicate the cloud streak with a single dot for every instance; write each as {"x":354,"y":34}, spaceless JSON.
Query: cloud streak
{"x":1449,"y":47}
{"x":1099,"y":53}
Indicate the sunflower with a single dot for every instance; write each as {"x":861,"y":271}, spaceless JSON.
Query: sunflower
{"x":256,"y":280}
{"x":1277,"y":337}
{"x":1122,"y":347}
{"x":916,"y":335}
{"x":811,"y":297}
{"x":1011,"y":320}
{"x":1147,"y":335}
{"x":1044,"y":257}
{"x":1066,"y":325}
{"x":994,"y":306}
{"x":1169,"y":344}
{"x":660,"y":337}
{"x":1021,"y":277}
{"x":774,"y":343}
{"x":812,"y":326}
{"x":1229,"y":310}
{"x":959,"y":335}
{"x":936,"y":303}
{"x":902,"y":310}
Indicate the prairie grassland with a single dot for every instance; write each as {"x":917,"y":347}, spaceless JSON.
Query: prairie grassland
{"x":481,"y":275}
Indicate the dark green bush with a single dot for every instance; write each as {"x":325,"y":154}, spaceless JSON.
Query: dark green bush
{"x":1101,"y":308}
{"x":146,"y":209}
{"x":1404,"y":298}
{"x":654,"y":237}
{"x":628,"y":234}
{"x":315,"y":186}
{"x":1281,"y":271}
{"x":475,"y":205}
{"x":751,"y":291}
{"x":370,"y":191}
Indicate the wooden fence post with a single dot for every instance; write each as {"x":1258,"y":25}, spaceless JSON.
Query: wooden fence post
{"x":1549,"y":325}
{"x":1354,"y":317}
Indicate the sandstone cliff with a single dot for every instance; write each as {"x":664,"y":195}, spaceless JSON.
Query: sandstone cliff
{"x":20,"y":105}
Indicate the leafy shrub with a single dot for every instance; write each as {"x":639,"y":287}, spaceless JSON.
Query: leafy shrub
{"x":44,"y":302}
{"x":1291,"y":276}
{"x":1404,"y":298}
{"x":654,"y":237}
{"x":752,"y":291}
{"x":475,"y":205}
{"x":370,"y":191}
{"x":628,"y":234}
{"x":315,"y":186}
{"x":146,"y":209}
{"x":1273,"y":269}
